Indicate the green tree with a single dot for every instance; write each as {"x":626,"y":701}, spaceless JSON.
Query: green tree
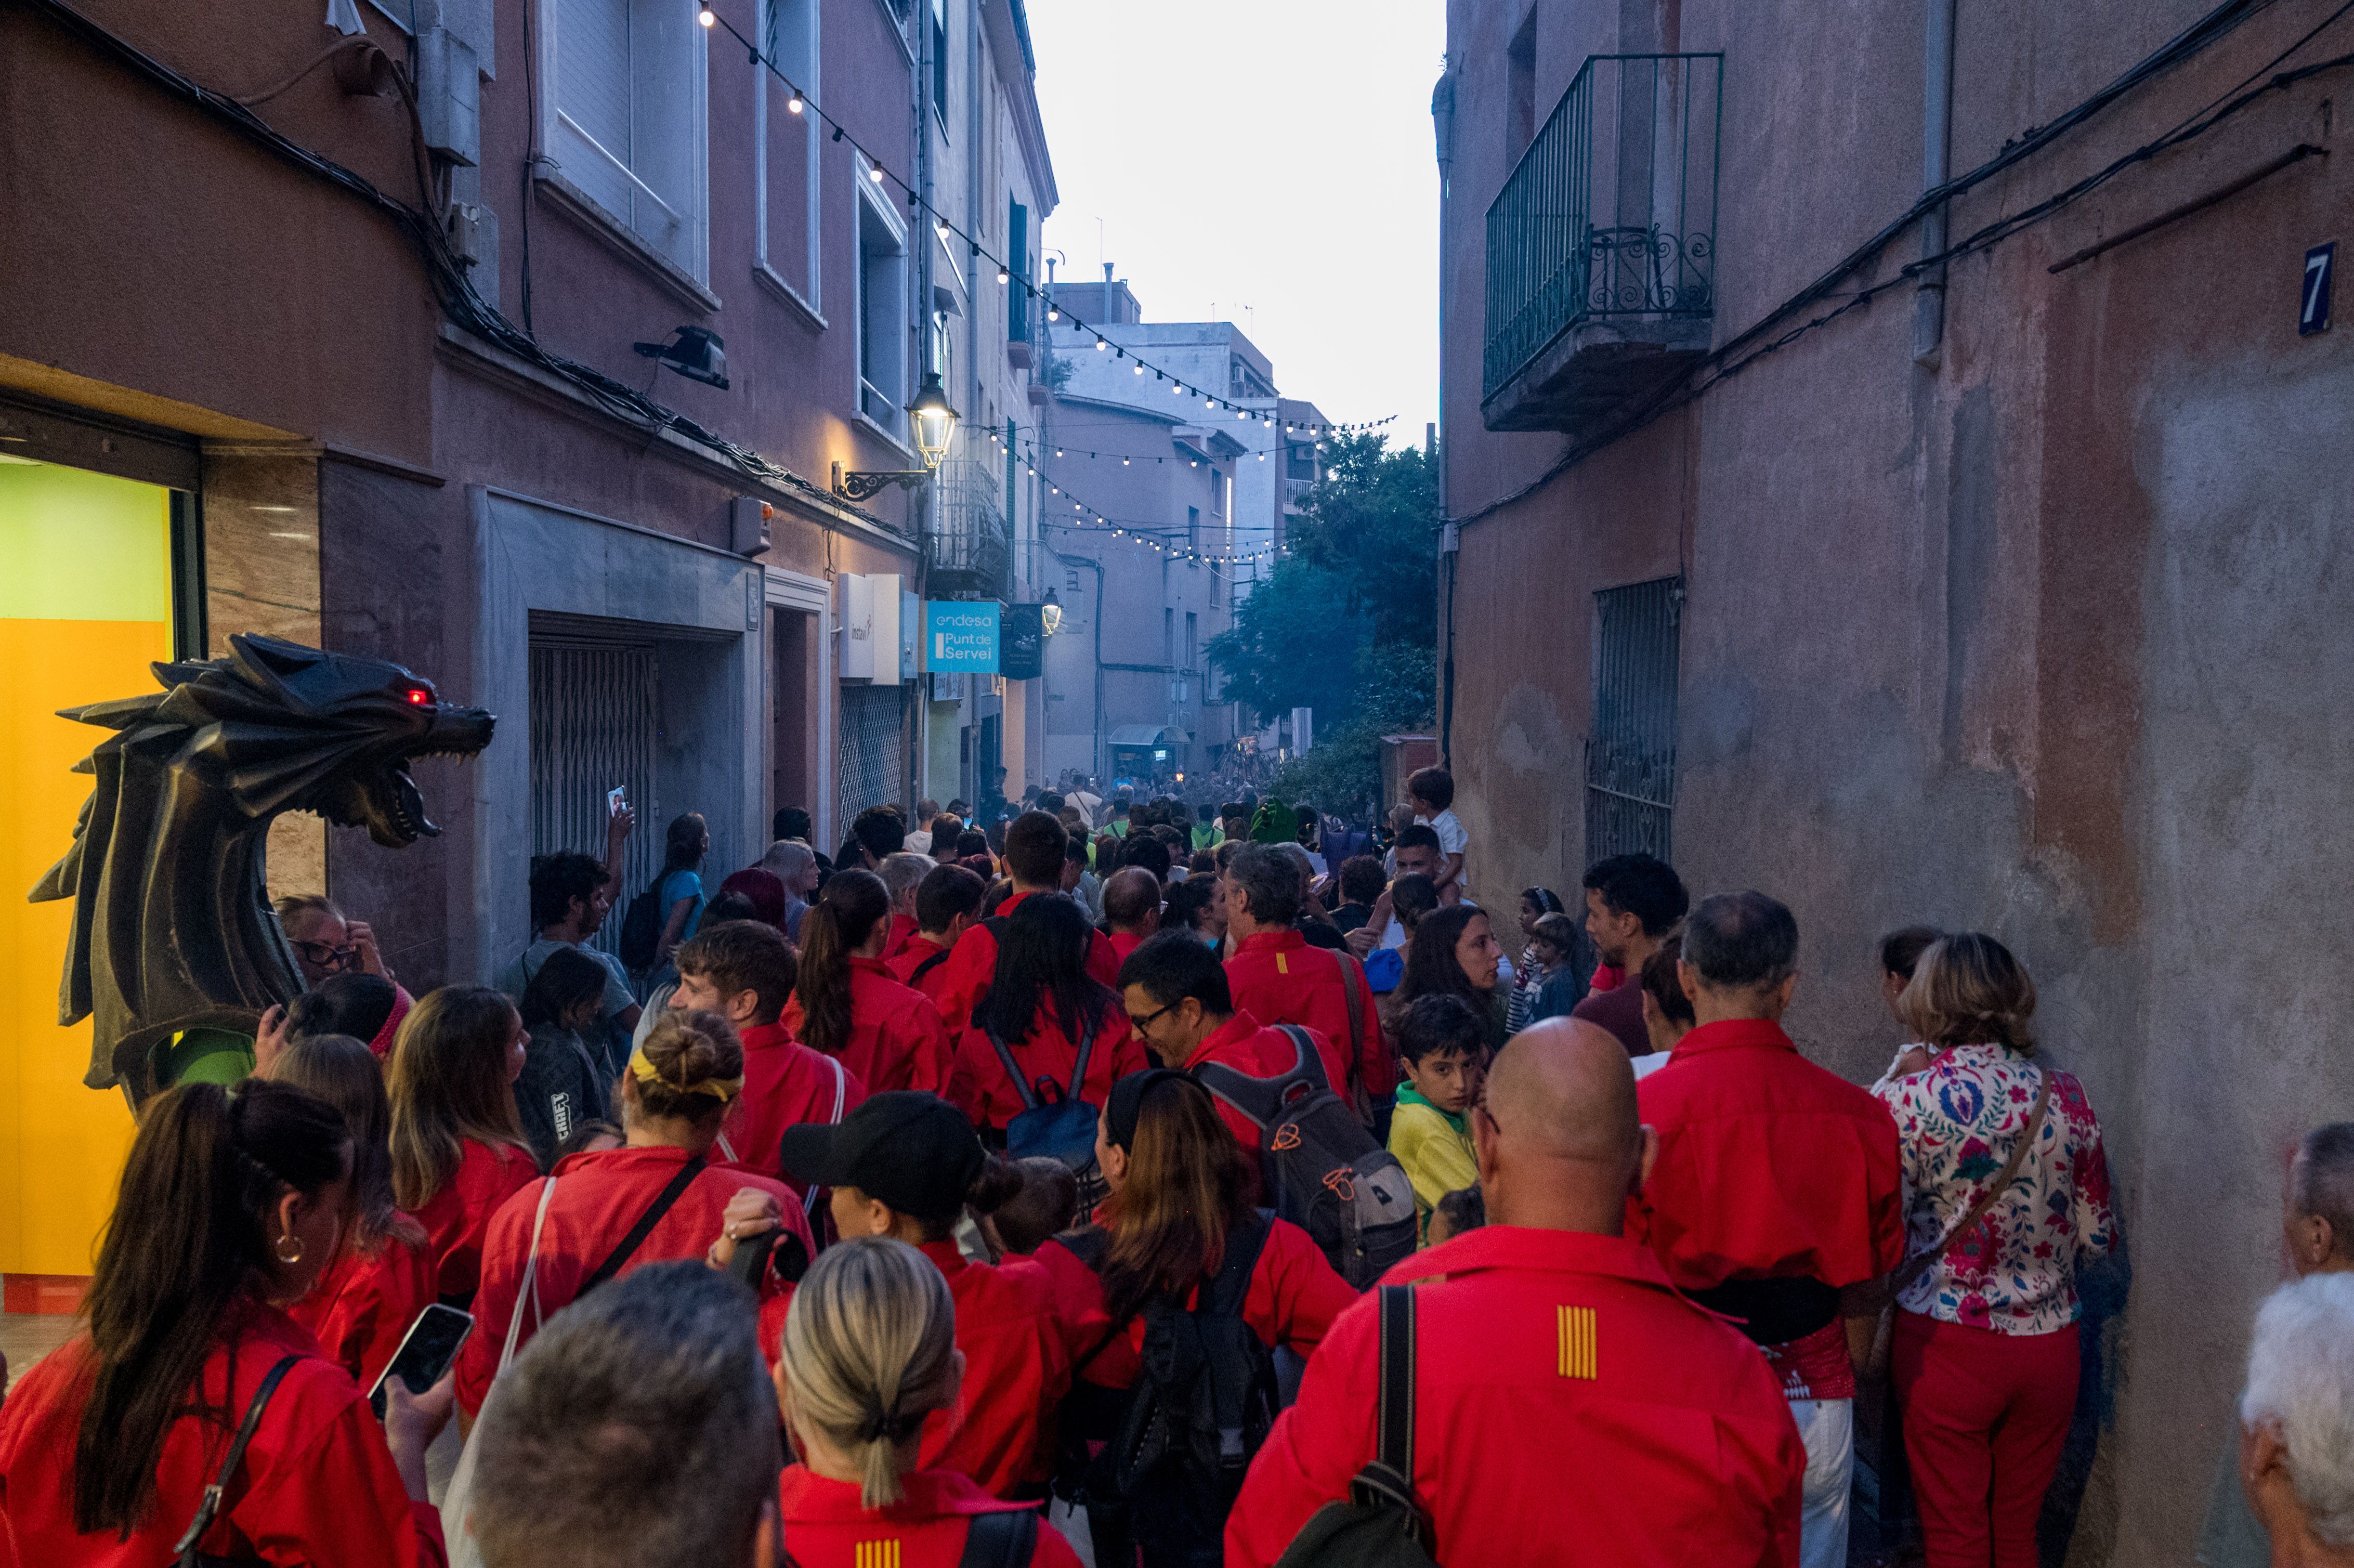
{"x":1346,"y":624}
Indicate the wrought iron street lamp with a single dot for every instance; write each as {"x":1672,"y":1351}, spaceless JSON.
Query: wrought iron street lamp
{"x":1050,"y":612}
{"x":934,"y":423}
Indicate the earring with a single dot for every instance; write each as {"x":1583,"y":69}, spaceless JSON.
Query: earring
{"x":282,"y":1241}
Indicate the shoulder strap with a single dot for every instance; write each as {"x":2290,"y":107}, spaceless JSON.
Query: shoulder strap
{"x":643,"y":1228}
{"x":1919,"y":1263}
{"x":1086,"y":1048}
{"x":1352,"y":975}
{"x":1005,"y":1539}
{"x":1222,"y":1296}
{"x":841,"y":1088}
{"x":1310,"y":1063}
{"x":1012,"y":1069}
{"x":1395,"y":1445}
{"x":528,"y":1289}
{"x":928,"y":965}
{"x":210,"y":1508}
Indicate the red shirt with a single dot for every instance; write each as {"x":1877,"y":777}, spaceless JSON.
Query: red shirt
{"x":366,"y":1301}
{"x":1245,"y":1044}
{"x":785,"y":1084}
{"x":1279,"y":978}
{"x":1122,"y":944}
{"x":897,"y":1040}
{"x":980,"y":1089}
{"x":317,"y":1484}
{"x":1544,"y":1356}
{"x":1016,"y":1370}
{"x":1769,"y":1167}
{"x":1619,"y":1010}
{"x":970,"y":969}
{"x":903,"y":931}
{"x":598,"y":1197}
{"x":455,"y":1217}
{"x":830,"y":1527}
{"x":1294,"y":1295}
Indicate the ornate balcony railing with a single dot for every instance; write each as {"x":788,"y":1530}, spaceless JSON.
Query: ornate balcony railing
{"x":1611,"y":212}
{"x":968,"y":550}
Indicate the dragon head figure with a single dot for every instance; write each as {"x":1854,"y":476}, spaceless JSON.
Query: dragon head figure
{"x":172,"y":927}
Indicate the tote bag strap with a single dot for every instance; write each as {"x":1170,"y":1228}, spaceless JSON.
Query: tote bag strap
{"x":529,"y":1289}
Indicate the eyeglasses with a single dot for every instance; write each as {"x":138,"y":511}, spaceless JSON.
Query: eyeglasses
{"x":1148,"y":1017}
{"x":325,"y":956}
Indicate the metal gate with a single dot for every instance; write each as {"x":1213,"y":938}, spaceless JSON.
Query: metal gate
{"x":592,"y":728}
{"x":873,"y":720}
{"x":1630,"y":752}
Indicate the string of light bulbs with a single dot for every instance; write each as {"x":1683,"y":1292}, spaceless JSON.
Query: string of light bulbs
{"x":801,"y":102}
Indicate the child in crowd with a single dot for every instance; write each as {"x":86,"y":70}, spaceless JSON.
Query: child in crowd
{"x":1464,"y":1209}
{"x":1047,"y":1205}
{"x":1431,"y":792}
{"x":1537,"y":960}
{"x":1556,"y":988}
{"x":1443,"y":1045}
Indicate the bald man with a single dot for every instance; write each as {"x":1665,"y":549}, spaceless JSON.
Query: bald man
{"x":1570,"y":1408}
{"x":1131,"y":906}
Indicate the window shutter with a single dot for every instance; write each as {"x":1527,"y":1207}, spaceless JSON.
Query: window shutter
{"x":1017,"y":260}
{"x":592,"y":90}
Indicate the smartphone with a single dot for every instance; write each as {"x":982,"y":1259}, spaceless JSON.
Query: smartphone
{"x":426,"y":1351}
{"x":614,"y":799}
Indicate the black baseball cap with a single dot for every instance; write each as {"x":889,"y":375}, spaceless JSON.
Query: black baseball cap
{"x":910,"y":1150}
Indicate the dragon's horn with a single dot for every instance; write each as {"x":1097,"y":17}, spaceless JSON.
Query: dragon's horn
{"x":120,"y":714}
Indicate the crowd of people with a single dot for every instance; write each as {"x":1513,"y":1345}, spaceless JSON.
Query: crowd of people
{"x":1116,"y":1183}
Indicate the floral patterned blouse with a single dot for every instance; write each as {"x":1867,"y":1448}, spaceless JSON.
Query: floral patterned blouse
{"x":1956,"y":1120}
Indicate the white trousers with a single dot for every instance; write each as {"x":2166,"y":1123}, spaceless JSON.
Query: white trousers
{"x":1826,"y":1426}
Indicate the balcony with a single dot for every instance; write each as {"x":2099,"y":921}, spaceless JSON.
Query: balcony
{"x":969,"y":553}
{"x":1602,"y":246}
{"x":1296,"y":493}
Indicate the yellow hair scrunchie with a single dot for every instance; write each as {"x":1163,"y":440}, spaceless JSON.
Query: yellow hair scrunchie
{"x":720,"y":1089}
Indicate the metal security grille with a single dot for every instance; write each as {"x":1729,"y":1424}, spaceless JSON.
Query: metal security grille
{"x":868,"y":772}
{"x":592,"y":727}
{"x":1630,"y":753}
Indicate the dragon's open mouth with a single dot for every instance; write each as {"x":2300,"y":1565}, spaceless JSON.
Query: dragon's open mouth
{"x":403,"y":813}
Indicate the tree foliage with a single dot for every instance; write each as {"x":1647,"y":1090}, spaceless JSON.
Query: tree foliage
{"x":1347,"y":621}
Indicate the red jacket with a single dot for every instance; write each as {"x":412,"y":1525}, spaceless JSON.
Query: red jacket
{"x":920,"y":951}
{"x":1279,"y":978}
{"x":1262,"y":1052}
{"x":598,"y":1197}
{"x":970,"y":968}
{"x":1123,"y":943}
{"x":1294,"y":1296}
{"x":1016,"y":1370}
{"x":1542,"y":1357}
{"x":830,"y":1527}
{"x":317,"y":1484}
{"x":1769,"y":1167}
{"x":980,"y":1089}
{"x":903,"y":931}
{"x":365,"y":1302}
{"x":897,"y":1040}
{"x":785,"y":1084}
{"x":455,"y":1217}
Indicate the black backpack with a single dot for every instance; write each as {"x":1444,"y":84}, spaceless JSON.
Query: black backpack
{"x":1324,"y":1172}
{"x":1381,"y":1525}
{"x":641,"y":927}
{"x":1202,"y":1405}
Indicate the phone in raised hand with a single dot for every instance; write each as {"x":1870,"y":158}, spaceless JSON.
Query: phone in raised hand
{"x":426,"y":1351}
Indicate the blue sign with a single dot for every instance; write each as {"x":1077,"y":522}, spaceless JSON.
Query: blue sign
{"x":960,"y":637}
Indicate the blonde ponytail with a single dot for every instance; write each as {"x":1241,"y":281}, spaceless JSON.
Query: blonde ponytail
{"x":869,"y":1351}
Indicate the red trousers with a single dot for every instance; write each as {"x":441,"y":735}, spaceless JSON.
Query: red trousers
{"x":1985,"y":1414}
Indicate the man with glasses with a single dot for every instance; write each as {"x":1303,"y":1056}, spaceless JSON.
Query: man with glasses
{"x":1176,"y":995}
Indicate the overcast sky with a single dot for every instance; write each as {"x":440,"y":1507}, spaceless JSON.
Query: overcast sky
{"x":1264,"y":162}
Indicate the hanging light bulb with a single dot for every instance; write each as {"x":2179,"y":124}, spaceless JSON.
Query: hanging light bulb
{"x":940,"y":227}
{"x":1003,"y":275}
{"x":1209,"y":402}
{"x":1241,"y":414}
{"x":1139,"y":367}
{"x":793,"y":104}
{"x":874,"y":175}
{"x":1101,"y":345}
{"x":1058,"y":451}
{"x":1054,"y":313}
{"x":704,"y":14}
{"x":1124,"y":463}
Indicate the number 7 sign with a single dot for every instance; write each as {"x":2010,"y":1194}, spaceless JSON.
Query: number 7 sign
{"x":2314,"y":314}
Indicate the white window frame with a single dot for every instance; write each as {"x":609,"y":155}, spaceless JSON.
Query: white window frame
{"x":560,"y":136}
{"x":764,"y":267}
{"x":866,"y":199}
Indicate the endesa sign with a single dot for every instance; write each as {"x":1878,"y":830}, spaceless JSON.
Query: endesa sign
{"x":960,"y":637}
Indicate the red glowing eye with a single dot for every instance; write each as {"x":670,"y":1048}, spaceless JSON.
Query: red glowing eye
{"x":419,"y":696}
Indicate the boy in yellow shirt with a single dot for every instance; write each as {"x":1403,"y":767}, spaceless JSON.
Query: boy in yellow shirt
{"x":1443,"y":1044}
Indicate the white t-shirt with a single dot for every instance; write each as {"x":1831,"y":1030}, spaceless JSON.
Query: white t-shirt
{"x":1451,"y":839}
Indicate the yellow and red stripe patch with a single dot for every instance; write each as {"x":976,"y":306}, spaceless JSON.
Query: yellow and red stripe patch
{"x":877,"y":1554}
{"x":1577,"y":1350}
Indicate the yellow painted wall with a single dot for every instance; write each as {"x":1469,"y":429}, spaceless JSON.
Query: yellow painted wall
{"x":85,"y":603}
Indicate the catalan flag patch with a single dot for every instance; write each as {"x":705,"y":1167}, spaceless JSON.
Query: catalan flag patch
{"x":1281,"y":968}
{"x":877,"y":1554}
{"x":1576,"y":1345}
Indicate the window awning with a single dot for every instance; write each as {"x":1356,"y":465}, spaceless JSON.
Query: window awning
{"x":1147,"y":735}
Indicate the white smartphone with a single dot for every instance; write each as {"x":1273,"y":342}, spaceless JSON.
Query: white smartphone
{"x":615,"y":798}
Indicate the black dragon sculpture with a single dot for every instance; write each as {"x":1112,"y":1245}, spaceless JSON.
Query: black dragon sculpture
{"x":172,"y":926}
